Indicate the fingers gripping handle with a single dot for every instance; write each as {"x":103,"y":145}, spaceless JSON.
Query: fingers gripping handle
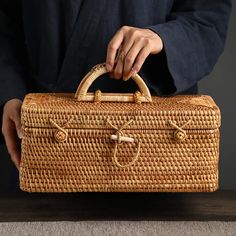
{"x":100,"y":69}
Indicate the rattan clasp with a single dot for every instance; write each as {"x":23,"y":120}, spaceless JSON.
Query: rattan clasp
{"x":179,"y":134}
{"x":61,"y":134}
{"x":120,"y":138}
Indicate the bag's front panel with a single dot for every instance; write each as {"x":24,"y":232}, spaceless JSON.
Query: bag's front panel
{"x":168,"y":165}
{"x":85,"y":161}
{"x":76,"y":164}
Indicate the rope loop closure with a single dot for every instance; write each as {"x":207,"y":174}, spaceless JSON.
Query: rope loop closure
{"x":119,"y":138}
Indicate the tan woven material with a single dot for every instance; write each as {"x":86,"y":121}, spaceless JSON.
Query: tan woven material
{"x":119,"y":142}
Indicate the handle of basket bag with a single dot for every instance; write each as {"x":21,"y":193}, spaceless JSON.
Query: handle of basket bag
{"x":82,"y":93}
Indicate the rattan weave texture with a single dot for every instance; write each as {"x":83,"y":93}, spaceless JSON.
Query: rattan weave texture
{"x":168,"y":144}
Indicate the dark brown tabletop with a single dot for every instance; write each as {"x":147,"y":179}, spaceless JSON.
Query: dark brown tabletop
{"x":220,"y":205}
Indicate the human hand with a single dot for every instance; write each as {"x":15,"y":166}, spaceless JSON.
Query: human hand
{"x":128,"y":50}
{"x":11,"y":129}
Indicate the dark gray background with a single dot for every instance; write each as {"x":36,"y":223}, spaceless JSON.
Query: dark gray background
{"x":220,"y":85}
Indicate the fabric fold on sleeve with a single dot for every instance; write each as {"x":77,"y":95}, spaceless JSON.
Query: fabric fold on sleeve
{"x":194,"y":38}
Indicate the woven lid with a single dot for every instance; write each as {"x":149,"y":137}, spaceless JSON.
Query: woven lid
{"x":198,"y":111}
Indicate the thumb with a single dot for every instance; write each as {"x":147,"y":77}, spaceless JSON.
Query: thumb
{"x":17,"y":121}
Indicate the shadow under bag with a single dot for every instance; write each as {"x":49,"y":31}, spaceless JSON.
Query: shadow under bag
{"x":112,"y":142}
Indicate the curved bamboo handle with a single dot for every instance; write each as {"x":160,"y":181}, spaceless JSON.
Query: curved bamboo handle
{"x":100,"y":69}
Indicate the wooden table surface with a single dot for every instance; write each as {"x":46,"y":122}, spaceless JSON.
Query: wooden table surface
{"x":219,"y":206}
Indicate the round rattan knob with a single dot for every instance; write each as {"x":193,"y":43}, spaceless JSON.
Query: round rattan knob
{"x":60,"y":136}
{"x":180,"y":135}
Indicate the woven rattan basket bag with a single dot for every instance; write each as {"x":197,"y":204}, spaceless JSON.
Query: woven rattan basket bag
{"x":119,"y":142}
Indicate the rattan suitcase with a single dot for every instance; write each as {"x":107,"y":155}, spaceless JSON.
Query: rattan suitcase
{"x":106,"y":142}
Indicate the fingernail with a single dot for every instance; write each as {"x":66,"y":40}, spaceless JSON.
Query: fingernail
{"x":109,"y":67}
{"x":19,"y":133}
{"x":126,"y":78}
{"x":132,"y":73}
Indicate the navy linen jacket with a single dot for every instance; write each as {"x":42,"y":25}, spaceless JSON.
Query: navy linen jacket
{"x":49,"y":45}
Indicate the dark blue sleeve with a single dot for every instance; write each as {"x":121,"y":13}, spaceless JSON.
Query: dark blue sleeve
{"x":194,"y":38}
{"x":12,"y":59}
